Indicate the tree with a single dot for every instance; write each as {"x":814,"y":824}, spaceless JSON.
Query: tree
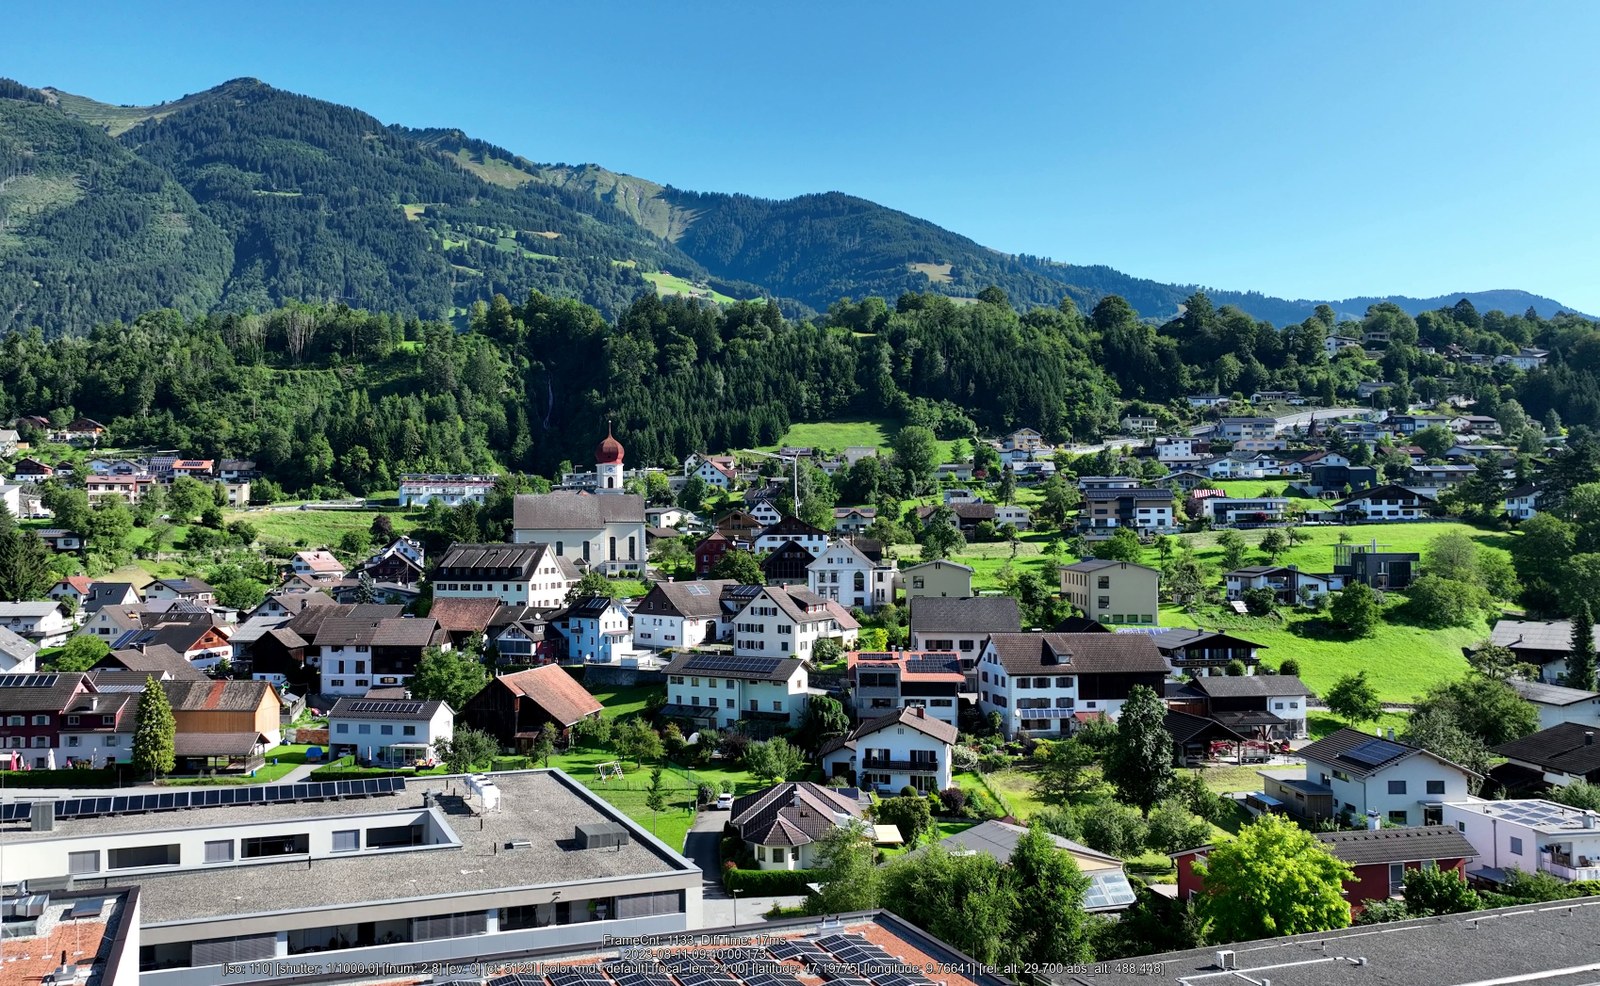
{"x":1050,"y":892}
{"x":591,"y":584}
{"x":1355,"y":609}
{"x":80,"y":654}
{"x":1273,"y":544}
{"x":155,"y":732}
{"x":774,"y":760}
{"x":186,"y":497}
{"x":824,"y":719}
{"x":1440,"y":602}
{"x":1139,"y":763}
{"x":451,"y":676}
{"x":655,"y":798}
{"x":966,"y":901}
{"x":826,"y":651}
{"x":382,"y":529}
{"x":741,"y":566}
{"x":466,"y":750}
{"x":1122,"y":545}
{"x":1289,"y":666}
{"x":1006,"y":489}
{"x":1580,"y":661}
{"x":916,"y":455}
{"x":1274,"y":879}
{"x":941,"y":538}
{"x":1431,"y":892}
{"x":1499,"y":663}
{"x":1260,"y":600}
{"x":25,"y":572}
{"x":1233,"y":548}
{"x":1353,"y":699}
{"x":1483,"y":707}
{"x":1436,"y":730}
{"x":1063,"y":766}
{"x":693,"y":495}
{"x":1434,"y":440}
{"x":848,"y":879}
{"x":240,"y":592}
{"x":635,"y":740}
{"x":911,"y":816}
{"x":355,"y":543}
{"x":544,"y":747}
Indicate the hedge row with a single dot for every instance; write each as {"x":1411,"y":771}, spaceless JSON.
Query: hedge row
{"x":69,"y":777}
{"x":355,"y":773}
{"x":768,"y":883}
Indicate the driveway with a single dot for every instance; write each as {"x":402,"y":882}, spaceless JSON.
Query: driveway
{"x":719,"y":909}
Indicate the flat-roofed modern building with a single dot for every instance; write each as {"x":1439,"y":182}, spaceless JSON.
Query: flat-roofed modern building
{"x":442,"y":870}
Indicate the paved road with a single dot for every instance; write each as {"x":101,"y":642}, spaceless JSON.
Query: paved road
{"x":719,"y":909}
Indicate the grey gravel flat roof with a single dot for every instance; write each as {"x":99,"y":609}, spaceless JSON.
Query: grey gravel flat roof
{"x":540,"y":806}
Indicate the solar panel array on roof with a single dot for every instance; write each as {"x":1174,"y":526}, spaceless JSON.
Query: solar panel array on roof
{"x":387,"y":708}
{"x":697,"y":590}
{"x":1374,"y":753}
{"x":215,"y":797}
{"x":517,"y":979}
{"x":931,"y":665}
{"x":733,"y":665}
{"x":28,"y":680}
{"x":1109,"y":889}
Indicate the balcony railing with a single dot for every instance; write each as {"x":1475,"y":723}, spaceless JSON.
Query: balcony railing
{"x":918,"y":766}
{"x":1571,"y":872}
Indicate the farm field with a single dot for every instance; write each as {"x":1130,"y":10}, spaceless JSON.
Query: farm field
{"x":315,"y":528}
{"x":1315,"y":552}
{"x":1256,"y":487}
{"x":839,"y":435}
{"x":673,"y":284}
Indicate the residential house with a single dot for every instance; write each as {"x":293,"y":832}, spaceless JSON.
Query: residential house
{"x":1332,"y":344}
{"x":190,"y":590}
{"x":237,"y":471}
{"x":1532,"y":835}
{"x":1276,"y":397}
{"x":1176,"y":448}
{"x":289,"y":603}
{"x":1353,"y":774}
{"x":1147,"y":510}
{"x":1260,"y":706}
{"x":782,"y":826}
{"x":1233,"y":429}
{"x":130,"y":489}
{"x":193,"y":635}
{"x":420,"y":489}
{"x":81,"y":430}
{"x":786,"y":564}
{"x":1140,"y":424}
{"x":1545,"y":644}
{"x":788,"y":622}
{"x":853,"y":520}
{"x":31,"y":470}
{"x":888,"y":753}
{"x":1234,"y":511}
{"x":1379,"y":859}
{"x":1187,"y":481}
{"x":1526,"y":358}
{"x":1041,"y":683}
{"x":388,"y":731}
{"x":44,"y":624}
{"x":847,"y":576}
{"x":97,"y":725}
{"x":1113,"y":591}
{"x":1019,"y":517}
{"x":961,"y":624}
{"x":719,"y":691}
{"x":1386,"y":503}
{"x":1378,"y":569}
{"x":1554,"y":756}
{"x":1290,"y":586}
{"x":225,"y":718}
{"x":17,"y":656}
{"x":1206,"y":652}
{"x":33,"y":712}
{"x":320,"y":565}
{"x":935,"y":578}
{"x":764,"y":510}
{"x":679,"y":614}
{"x":516,"y":574}
{"x":966,"y":515}
{"x":1087,"y":483}
{"x":1206,"y":400}
{"x":1433,"y":480}
{"x":157,"y":660}
{"x":710,"y":551}
{"x":604,"y":530}
{"x":358,"y":653}
{"x":1523,"y":502}
{"x":597,"y":629}
{"x":882,"y":681}
{"x":514,"y":708}
{"x":71,"y":590}
{"x":1109,"y":890}
{"x":400,"y":562}
{"x":60,"y":541}
{"x":716,"y":471}
{"x":1332,"y":478}
{"x":1558,"y":704}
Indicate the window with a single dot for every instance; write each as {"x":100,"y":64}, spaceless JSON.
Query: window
{"x":1461,"y":827}
{"x":1516,"y":846}
{"x":41,"y":720}
{"x":17,"y":720}
{"x":294,"y":844}
{"x":113,"y":741}
{"x":79,"y":863}
{"x":71,"y":741}
{"x":777,"y":706}
{"x":409,"y":731}
{"x":364,"y":728}
{"x":341,"y":727}
{"x":220,"y":851}
{"x":347,"y":840}
{"x":1397,"y":787}
{"x":130,"y":857}
{"x":1436,"y":787}
{"x":1399,"y":818}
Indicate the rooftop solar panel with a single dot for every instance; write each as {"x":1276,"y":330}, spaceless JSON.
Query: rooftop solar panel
{"x":1108,"y":890}
{"x":1374,"y":753}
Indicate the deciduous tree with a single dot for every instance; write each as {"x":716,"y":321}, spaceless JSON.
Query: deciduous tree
{"x":1353,"y":699}
{"x":1274,"y":879}
{"x":1139,"y":763}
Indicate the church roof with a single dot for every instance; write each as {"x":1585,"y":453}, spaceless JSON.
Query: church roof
{"x":609,"y":451}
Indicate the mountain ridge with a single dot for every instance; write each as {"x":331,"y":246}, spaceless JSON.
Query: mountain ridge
{"x":323,"y":202}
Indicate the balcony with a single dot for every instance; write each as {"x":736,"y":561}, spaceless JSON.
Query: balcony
{"x":900,"y":766}
{"x":1564,"y":865}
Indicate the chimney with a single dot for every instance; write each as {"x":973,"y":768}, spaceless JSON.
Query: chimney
{"x":1388,"y":734}
{"x":1373,"y":824}
{"x":1588,"y":737}
{"x":921,"y":712}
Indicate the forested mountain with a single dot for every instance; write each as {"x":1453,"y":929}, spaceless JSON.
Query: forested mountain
{"x":245,"y":198}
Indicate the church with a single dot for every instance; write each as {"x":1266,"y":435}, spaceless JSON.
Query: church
{"x":603,"y":530}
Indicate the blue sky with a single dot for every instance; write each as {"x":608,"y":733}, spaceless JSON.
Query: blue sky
{"x":1303,"y":150}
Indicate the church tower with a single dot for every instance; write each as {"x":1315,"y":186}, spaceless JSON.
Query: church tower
{"x":608,"y":464}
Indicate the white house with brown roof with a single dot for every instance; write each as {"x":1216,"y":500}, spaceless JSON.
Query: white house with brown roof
{"x":679,"y":614}
{"x":388,"y":731}
{"x":788,"y":622}
{"x":845,"y":575}
{"x":721,"y":691}
{"x":602,"y":531}
{"x":515,"y":574}
{"x":782,"y":825}
{"x":903,"y":748}
{"x":319,"y":564}
{"x":1045,"y":682}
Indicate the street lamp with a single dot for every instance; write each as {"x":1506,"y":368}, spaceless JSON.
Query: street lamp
{"x":735,"y":907}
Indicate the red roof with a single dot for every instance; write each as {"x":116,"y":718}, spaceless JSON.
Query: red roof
{"x":558,"y":693}
{"x":609,"y":451}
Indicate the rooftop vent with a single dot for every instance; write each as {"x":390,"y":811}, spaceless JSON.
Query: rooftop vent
{"x":601,"y":835}
{"x":520,"y":844}
{"x":1225,"y":958}
{"x":43,"y":818}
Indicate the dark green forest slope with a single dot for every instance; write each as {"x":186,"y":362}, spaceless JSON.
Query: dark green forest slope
{"x":245,"y":197}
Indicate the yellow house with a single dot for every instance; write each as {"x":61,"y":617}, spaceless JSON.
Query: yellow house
{"x":936,"y":578}
{"x":1113,"y":591}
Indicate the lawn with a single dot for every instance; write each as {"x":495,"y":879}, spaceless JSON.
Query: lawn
{"x":629,"y":792}
{"x":625,"y":701}
{"x":1255,"y":487}
{"x":317,"y":528}
{"x":1315,"y":552}
{"x":1016,"y":785}
{"x":1401,"y":661}
{"x":988,"y":559}
{"x":1320,"y":724}
{"x":288,"y":757}
{"x":838,"y":435}
{"x":672,"y":284}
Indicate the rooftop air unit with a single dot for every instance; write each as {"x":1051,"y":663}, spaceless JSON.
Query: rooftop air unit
{"x":601,"y":835}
